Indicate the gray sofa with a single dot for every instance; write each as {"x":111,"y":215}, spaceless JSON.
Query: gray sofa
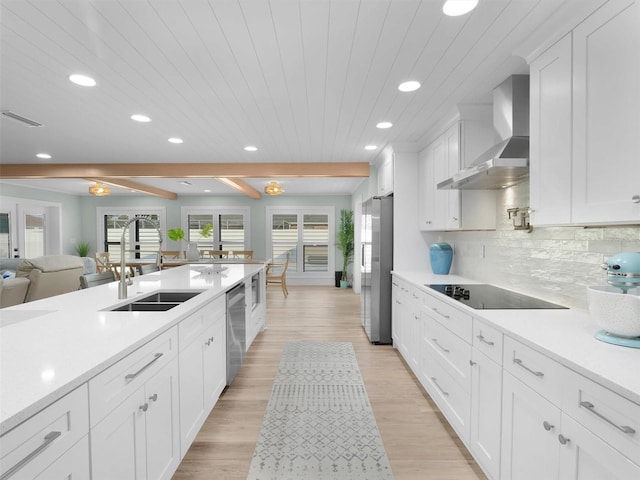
{"x":41,"y":277}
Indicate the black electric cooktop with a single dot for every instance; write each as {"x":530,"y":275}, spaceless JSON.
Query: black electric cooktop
{"x":487,"y":297}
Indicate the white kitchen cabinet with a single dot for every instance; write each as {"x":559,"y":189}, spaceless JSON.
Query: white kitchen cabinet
{"x":441,"y":210}
{"x":606,"y":102}
{"x":385,"y":175}
{"x":401,"y":317}
{"x":584,"y":456}
{"x":202,"y":359}
{"x":256,"y":310}
{"x":52,"y":444}
{"x":530,"y":425}
{"x":140,"y":438}
{"x":431,"y":163}
{"x":486,"y":398}
{"x":550,"y":141}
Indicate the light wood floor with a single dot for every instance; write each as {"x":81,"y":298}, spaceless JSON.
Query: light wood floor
{"x":418,"y":441}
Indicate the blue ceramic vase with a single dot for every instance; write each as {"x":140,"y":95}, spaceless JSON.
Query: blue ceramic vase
{"x":441,"y":256}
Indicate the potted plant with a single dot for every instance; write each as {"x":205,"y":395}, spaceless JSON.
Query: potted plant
{"x":344,"y":241}
{"x":82,"y":249}
{"x":206,"y":231}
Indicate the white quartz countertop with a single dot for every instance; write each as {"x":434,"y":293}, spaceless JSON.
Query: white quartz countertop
{"x":51,"y":346}
{"x":566,"y":336}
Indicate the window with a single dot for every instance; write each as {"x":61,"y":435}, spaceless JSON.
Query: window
{"x":306,"y":233}
{"x":218,"y":229}
{"x":141,"y":239}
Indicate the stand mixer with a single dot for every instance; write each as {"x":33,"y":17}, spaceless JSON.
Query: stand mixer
{"x":617,"y":307}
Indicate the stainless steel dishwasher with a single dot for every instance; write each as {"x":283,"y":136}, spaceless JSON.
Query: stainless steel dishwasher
{"x":236,"y":331}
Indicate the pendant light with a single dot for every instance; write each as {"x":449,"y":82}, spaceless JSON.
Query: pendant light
{"x":99,"y":190}
{"x":273,"y":189}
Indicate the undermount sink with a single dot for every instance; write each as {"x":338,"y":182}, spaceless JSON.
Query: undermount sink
{"x":173,"y":297}
{"x":145,"y":307}
{"x":157,"y":302}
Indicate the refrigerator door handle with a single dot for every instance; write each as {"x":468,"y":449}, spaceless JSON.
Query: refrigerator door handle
{"x":362,"y":255}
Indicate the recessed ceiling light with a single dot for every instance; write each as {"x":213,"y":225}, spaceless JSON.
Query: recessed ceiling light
{"x":43,"y":155}
{"x":384,"y":125}
{"x":409,"y":86}
{"x":140,"y":118}
{"x":370,"y":147}
{"x":250,"y":148}
{"x":175,"y":140}
{"x":455,"y":8}
{"x":82,"y":80}
{"x":207,"y":191}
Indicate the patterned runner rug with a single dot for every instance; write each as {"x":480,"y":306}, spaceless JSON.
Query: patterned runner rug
{"x":319,"y":423}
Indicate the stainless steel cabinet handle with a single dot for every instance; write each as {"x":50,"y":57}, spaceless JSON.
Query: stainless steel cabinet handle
{"x":394,"y":284}
{"x":519,"y":362}
{"x":131,"y":376}
{"x":144,"y":407}
{"x":482,"y":339}
{"x":441,"y":314}
{"x":635,"y":199}
{"x":624,"y":428}
{"x":48,"y":439}
{"x":154,"y":397}
{"x":562,"y":439}
{"x":435,"y":382}
{"x":414,"y":295}
{"x":472,"y":363}
{"x":547,"y":426}
{"x":208,"y":342}
{"x":445,"y":350}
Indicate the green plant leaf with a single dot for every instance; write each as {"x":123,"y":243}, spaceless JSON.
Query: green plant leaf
{"x":83,"y":248}
{"x":206,"y":231}
{"x":175,"y":234}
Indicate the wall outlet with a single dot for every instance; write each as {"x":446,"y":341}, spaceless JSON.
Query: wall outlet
{"x":482,"y":251}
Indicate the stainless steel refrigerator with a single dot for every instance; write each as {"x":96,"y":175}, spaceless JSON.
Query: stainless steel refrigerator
{"x":377,"y":262}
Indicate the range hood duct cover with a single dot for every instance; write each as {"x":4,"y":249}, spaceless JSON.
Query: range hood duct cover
{"x":506,"y":163}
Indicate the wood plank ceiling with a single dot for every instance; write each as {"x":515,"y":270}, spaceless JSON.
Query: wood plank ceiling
{"x":303,"y":81}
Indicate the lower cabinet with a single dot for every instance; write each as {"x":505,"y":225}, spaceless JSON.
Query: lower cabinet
{"x":486,"y":412}
{"x":521,"y":414}
{"x":51,"y":445}
{"x":202,"y":378}
{"x":530,"y":426}
{"x":139,"y":439}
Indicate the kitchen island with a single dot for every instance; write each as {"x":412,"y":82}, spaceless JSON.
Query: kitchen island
{"x":522,"y":385}
{"x":56,"y":348}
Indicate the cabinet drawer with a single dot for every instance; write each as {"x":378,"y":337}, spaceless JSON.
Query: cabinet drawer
{"x":109,"y":388}
{"x":191,"y":327}
{"x":455,"y":320}
{"x":488,"y":340}
{"x":610,"y":416}
{"x":37,"y":442}
{"x":451,"y":398}
{"x":536,"y":370}
{"x":453,"y":353}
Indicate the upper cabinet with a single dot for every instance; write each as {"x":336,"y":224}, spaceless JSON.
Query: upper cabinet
{"x":606,"y":119}
{"x":585,"y":126}
{"x":455,"y":209}
{"x":550,"y":141}
{"x":385,"y":174}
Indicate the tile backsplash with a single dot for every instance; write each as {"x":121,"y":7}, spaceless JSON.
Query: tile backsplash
{"x":552,"y":263}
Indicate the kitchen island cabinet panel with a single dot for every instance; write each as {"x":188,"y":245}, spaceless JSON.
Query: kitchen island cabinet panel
{"x":203,"y":374}
{"x":139,"y":439}
{"x":37,"y":447}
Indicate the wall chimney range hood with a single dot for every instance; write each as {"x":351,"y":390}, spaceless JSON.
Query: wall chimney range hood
{"x":506,"y":163}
